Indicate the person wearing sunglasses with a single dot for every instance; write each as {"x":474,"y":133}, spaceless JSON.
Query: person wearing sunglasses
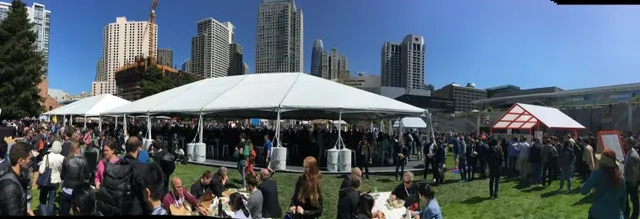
{"x":406,"y":191}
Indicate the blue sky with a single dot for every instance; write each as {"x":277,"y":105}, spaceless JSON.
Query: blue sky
{"x":491,"y":43}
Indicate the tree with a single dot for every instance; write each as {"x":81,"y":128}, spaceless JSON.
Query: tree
{"x":153,"y":82}
{"x":21,"y":66}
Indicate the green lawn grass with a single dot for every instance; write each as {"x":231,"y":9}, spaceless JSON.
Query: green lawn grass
{"x":465,"y":200}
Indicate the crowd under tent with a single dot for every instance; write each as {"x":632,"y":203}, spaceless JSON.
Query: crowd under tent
{"x":297,"y":96}
{"x":526,"y":117}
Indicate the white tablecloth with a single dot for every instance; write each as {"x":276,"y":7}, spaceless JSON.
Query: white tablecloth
{"x":380,"y":204}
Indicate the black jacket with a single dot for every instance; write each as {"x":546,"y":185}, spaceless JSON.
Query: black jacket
{"x":310,"y":211}
{"x":535,"y":153}
{"x":216,"y":185}
{"x":198,"y":189}
{"x":270,"y":207}
{"x":74,"y":171}
{"x":346,"y":182}
{"x":13,"y":196}
{"x":347,"y":203}
{"x":140,"y":205}
{"x":410,"y":195}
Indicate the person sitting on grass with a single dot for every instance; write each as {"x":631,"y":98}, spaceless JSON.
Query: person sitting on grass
{"x":175,"y":200}
{"x":406,"y":191}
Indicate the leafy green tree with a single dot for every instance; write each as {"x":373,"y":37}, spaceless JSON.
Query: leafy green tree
{"x":152,"y":82}
{"x":21,"y":66}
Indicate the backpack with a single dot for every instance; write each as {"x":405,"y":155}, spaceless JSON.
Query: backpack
{"x":553,"y":154}
{"x":245,"y":151}
{"x":115,"y":196}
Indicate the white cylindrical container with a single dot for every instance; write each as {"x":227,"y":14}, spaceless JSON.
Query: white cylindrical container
{"x":200,"y":152}
{"x":279,"y":158}
{"x":332,"y":160}
{"x":191,"y":147}
{"x":344,"y":162}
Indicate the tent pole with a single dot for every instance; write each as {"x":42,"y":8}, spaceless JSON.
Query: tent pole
{"x":279,"y":144}
{"x":149,"y":126}
{"x":100,"y":123}
{"x":116,"y":123}
{"x":85,"y":122}
{"x":70,"y":120}
{"x":124,"y":125}
{"x":201,"y":124}
{"x":340,"y":142}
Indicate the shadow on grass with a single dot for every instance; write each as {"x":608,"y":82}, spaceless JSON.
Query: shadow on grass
{"x":533,"y":189}
{"x":550,"y":194}
{"x":585,"y":200}
{"x":475,"y":200}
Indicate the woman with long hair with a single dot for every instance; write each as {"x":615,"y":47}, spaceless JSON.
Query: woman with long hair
{"x":236,"y":203}
{"x":306,"y":202}
{"x":364,"y":208}
{"x":109,"y":150}
{"x":609,"y":188}
{"x":251,"y":160}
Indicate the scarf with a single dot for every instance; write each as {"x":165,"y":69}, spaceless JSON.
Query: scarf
{"x":179,"y":201}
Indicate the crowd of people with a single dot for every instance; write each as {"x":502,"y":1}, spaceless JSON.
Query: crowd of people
{"x":96,"y":175}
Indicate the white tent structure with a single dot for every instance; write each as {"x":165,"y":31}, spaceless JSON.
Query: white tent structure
{"x":281,"y":96}
{"x":90,"y":106}
{"x":411,"y":122}
{"x":295,"y":95}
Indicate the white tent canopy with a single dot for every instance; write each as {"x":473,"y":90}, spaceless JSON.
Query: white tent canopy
{"x":90,"y":106}
{"x":411,"y":122}
{"x":526,"y":116}
{"x":296,"y":95}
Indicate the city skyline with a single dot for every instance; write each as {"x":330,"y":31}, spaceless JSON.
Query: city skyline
{"x":489,"y":44}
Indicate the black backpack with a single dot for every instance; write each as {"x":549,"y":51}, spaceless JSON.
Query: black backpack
{"x":553,"y":154}
{"x":115,"y":196}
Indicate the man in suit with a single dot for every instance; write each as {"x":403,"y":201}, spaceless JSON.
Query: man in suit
{"x":256,"y":199}
{"x":269,"y":188}
{"x":346,"y":183}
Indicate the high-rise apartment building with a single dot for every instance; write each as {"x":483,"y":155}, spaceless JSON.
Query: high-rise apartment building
{"x":402,"y":64}
{"x":328,"y":65}
{"x":279,"y":41}
{"x":316,"y":58}
{"x":186,"y":66}
{"x":210,"y":48}
{"x":123,"y":42}
{"x":165,"y":57}
{"x":236,"y":66}
{"x":41,"y":19}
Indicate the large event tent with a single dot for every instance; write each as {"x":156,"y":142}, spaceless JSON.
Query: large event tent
{"x":295,"y":95}
{"x":90,"y":106}
{"x":526,"y":117}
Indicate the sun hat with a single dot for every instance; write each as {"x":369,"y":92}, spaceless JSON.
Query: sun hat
{"x":607,"y":161}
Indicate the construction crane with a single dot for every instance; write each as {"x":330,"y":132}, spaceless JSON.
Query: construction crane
{"x":150,"y":29}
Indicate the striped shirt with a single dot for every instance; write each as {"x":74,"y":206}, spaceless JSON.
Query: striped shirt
{"x":159,"y":211}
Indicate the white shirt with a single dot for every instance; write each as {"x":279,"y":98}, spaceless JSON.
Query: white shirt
{"x":240,"y":215}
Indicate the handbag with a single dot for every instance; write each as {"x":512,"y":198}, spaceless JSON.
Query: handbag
{"x":44,"y":180}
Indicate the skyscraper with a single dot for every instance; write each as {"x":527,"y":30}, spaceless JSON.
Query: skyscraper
{"x":165,"y":57}
{"x":330,"y":65}
{"x":41,"y":19}
{"x":402,"y":64}
{"x":210,"y":48}
{"x":279,"y":41}
{"x":236,"y":66}
{"x":316,"y":58}
{"x":123,"y":42}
